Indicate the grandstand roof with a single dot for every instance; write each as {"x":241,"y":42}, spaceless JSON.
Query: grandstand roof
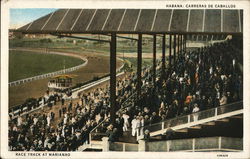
{"x":208,"y":37}
{"x":138,"y":21}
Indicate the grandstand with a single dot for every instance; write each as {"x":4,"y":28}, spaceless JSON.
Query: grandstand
{"x":192,"y":102}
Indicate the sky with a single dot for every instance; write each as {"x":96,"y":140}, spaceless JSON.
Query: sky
{"x":20,"y":17}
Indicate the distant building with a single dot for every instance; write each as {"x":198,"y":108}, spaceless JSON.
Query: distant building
{"x":13,"y":34}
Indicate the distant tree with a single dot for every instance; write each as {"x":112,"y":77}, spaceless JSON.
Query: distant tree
{"x":69,"y":41}
{"x":18,"y":35}
{"x":46,"y":40}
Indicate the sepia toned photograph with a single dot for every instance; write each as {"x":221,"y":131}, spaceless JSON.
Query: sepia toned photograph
{"x":125,"y":80}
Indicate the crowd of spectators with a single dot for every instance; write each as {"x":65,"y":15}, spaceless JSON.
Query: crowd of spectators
{"x":199,"y":80}
{"x":49,"y":99}
{"x":36,"y":132}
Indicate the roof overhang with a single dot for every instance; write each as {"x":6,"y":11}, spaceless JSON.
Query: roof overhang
{"x":134,"y":21}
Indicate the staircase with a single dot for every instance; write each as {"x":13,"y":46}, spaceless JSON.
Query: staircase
{"x":97,"y":145}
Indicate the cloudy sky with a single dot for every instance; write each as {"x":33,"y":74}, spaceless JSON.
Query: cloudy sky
{"x":20,"y":17}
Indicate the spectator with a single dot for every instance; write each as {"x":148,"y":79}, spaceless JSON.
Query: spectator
{"x":146,"y":135}
{"x":169,"y":134}
{"x":126,"y":122}
{"x":195,"y":110}
{"x":223,"y":99}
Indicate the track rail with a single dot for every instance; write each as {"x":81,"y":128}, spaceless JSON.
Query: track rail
{"x":43,"y":76}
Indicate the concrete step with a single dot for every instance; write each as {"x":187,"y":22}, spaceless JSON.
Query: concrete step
{"x":93,"y":145}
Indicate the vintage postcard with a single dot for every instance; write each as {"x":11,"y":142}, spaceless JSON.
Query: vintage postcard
{"x":125,"y":79}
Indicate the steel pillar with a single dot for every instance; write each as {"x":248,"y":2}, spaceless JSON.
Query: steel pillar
{"x":170,"y":51}
{"x":154,"y":60}
{"x":178,"y":45}
{"x":185,"y":43}
{"x":113,"y":77}
{"x":139,"y":65}
{"x":163,"y":54}
{"x":181,"y":43}
{"x":174,"y":49}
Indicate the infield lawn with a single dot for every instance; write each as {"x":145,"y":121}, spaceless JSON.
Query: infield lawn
{"x":28,"y":64}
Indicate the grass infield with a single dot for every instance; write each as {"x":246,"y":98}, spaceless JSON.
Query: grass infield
{"x":28,"y":64}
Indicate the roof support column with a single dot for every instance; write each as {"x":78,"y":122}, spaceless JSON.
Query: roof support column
{"x":174,"y":49}
{"x":139,"y":65}
{"x":113,"y":77}
{"x":170,"y":51}
{"x":163,"y":55}
{"x":178,"y":45}
{"x":185,"y":43}
{"x":154,"y":60}
{"x":181,"y":43}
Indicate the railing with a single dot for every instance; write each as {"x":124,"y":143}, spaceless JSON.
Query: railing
{"x":197,"y":144}
{"x":91,"y":84}
{"x":20,"y":109}
{"x":28,"y":109}
{"x":14,"y":83}
{"x":133,"y":95}
{"x":95,"y":133}
{"x":193,"y":117}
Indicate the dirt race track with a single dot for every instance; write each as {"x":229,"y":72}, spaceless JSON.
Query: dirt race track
{"x":98,"y":65}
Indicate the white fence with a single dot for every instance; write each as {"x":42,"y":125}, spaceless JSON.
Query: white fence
{"x":75,"y":91}
{"x":24,"y":110}
{"x":14,"y":83}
